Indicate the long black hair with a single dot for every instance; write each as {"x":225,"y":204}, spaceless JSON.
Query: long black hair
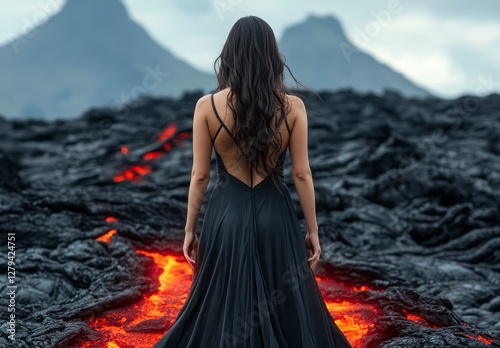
{"x":252,"y":66}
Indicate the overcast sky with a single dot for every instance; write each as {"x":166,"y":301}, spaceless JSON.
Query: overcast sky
{"x":450,"y":47}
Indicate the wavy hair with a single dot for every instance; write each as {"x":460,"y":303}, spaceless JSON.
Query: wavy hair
{"x":252,"y":66}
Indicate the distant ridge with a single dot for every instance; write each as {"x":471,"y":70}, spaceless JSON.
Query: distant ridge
{"x":89,"y":54}
{"x":321,"y":57}
{"x":93,"y":54}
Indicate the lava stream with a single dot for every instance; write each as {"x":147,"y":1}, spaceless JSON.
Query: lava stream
{"x":143,"y":323}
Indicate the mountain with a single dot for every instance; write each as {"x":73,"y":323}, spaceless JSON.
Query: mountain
{"x":89,"y":54}
{"x":321,"y":57}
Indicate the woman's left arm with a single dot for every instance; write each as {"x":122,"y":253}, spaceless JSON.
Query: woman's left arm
{"x":200,"y":173}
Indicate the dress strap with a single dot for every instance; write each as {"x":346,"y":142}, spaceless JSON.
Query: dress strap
{"x":216,"y":134}
{"x":287,"y":126}
{"x":223,"y":125}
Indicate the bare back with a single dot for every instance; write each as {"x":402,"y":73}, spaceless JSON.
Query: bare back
{"x":220,"y":127}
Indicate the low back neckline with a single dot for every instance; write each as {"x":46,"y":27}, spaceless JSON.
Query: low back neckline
{"x":221,"y":168}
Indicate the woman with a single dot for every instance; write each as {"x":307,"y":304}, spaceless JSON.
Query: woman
{"x":253,"y":283}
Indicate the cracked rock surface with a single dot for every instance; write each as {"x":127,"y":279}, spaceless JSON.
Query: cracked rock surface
{"x":407,"y":192}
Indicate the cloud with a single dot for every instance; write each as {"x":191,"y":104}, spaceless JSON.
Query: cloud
{"x":430,"y":43}
{"x":434,"y":71}
{"x":448,"y":56}
{"x":439,"y":45}
{"x":484,"y":11}
{"x":195,"y":6}
{"x":19,"y":18}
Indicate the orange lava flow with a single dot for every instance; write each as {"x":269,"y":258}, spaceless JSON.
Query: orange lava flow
{"x":152,"y":155}
{"x":480,"y":338}
{"x":418,"y":319}
{"x":424,"y":323}
{"x":107,"y":237}
{"x":137,"y":171}
{"x":134,"y":173}
{"x":167,"y":132}
{"x":353,"y":318}
{"x":142,"y":324}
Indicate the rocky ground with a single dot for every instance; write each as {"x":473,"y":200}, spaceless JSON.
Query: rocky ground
{"x":407,"y":191}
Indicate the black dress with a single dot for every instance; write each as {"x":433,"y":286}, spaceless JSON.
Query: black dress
{"x":252,"y":284}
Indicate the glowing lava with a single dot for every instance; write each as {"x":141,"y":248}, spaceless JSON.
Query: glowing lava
{"x":167,"y":133}
{"x":152,"y":155}
{"x":418,"y":319}
{"x":481,"y":338}
{"x":424,"y":323}
{"x":354,"y":318}
{"x":134,"y":173}
{"x":166,"y":138}
{"x":111,"y":219}
{"x":107,"y":236}
{"x":143,"y":323}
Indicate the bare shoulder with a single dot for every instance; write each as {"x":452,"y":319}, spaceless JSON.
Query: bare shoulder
{"x":296,"y":108}
{"x":295,"y":104}
{"x":204,"y":101}
{"x":203,"y":106}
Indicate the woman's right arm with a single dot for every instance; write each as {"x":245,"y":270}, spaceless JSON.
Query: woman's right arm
{"x":302,"y":176}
